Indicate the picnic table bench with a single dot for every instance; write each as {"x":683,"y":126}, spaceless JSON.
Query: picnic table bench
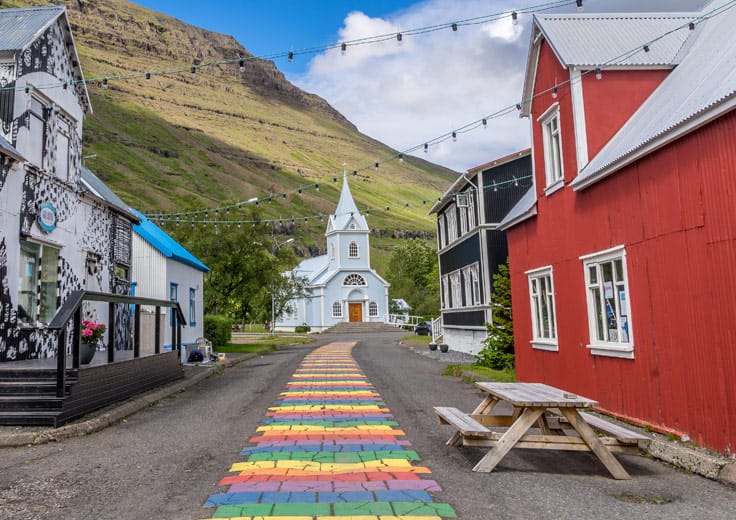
{"x":554,"y":411}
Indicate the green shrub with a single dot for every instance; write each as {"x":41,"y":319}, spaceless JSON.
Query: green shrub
{"x":301,"y":329}
{"x":498,"y":350}
{"x":218,"y":329}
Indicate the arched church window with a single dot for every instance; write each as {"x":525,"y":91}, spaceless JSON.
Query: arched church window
{"x":337,"y":310}
{"x":354,"y":279}
{"x":373,"y":309}
{"x":353,"y":250}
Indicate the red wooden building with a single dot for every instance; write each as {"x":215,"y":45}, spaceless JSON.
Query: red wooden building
{"x":623,"y":255}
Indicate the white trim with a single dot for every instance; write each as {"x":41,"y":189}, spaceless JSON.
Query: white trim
{"x":553,"y":108}
{"x":556,"y":186}
{"x":538,"y":270}
{"x":578,"y":116}
{"x":611,"y":351}
{"x":540,"y":275}
{"x":605,"y":254}
{"x":538,"y":344}
{"x":552,"y":114}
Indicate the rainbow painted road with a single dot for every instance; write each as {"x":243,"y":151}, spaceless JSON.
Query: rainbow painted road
{"x":329,"y":450}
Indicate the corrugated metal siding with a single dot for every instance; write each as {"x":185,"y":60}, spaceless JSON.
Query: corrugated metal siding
{"x":593,"y":39}
{"x":18,"y":27}
{"x":149,"y":270}
{"x":674,"y":213}
{"x":460,"y":255}
{"x":503,"y":186}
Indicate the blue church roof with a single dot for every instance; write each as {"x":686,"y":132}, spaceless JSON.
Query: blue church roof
{"x":166,"y":245}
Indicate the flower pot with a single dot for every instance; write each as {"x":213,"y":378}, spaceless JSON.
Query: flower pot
{"x":86,"y":352}
{"x":444,"y":347}
{"x":433,"y":346}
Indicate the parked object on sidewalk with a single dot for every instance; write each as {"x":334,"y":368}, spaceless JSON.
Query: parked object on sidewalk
{"x":195,"y":356}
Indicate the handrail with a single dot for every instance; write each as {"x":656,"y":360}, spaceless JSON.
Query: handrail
{"x":71,"y":309}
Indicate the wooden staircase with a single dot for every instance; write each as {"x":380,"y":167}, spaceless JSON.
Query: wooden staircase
{"x":28,"y":396}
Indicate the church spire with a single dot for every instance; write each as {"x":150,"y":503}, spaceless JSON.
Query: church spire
{"x":346,"y":211}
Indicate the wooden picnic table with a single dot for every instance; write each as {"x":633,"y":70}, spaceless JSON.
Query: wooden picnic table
{"x":555,"y":412}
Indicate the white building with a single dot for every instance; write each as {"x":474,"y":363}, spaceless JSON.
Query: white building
{"x":58,"y":234}
{"x":342,"y":287}
{"x":163,"y":269}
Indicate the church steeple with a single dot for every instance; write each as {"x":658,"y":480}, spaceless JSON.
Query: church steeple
{"x":346,"y":216}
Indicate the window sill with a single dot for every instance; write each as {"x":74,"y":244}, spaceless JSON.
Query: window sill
{"x":623,"y":352}
{"x":544,"y":345}
{"x":556,"y":186}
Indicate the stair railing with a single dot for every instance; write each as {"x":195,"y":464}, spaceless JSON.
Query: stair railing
{"x":71,"y":309}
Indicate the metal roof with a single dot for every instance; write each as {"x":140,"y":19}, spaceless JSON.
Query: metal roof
{"x":166,"y":245}
{"x":98,"y":188}
{"x":19,"y":27}
{"x":589,"y":40}
{"x":700,"y":88}
{"x":524,"y":209}
{"x":10,"y":150}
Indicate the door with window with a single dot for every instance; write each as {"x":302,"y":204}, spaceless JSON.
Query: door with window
{"x":355,"y":311}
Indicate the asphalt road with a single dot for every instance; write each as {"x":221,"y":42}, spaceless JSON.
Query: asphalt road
{"x":165,"y":461}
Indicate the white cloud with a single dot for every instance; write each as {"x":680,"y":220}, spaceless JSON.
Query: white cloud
{"x":431,"y":84}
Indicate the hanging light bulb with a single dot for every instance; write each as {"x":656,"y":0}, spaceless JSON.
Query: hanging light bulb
{"x":299,"y":191}
{"x":518,"y":106}
{"x":554,"y":92}
{"x":376,"y":166}
{"x":484,"y":122}
{"x":291,"y":56}
{"x":514,"y":18}
{"x":646,"y":48}
{"x":343,"y":48}
{"x":148,"y":75}
{"x":399,"y":38}
{"x":598,"y":73}
{"x":193,"y":70}
{"x":241,"y":65}
{"x":691,"y":26}
{"x":426,"y":147}
{"x":355,"y":173}
{"x":66,"y":85}
{"x":401,"y":158}
{"x":104,"y":83}
{"x":316,"y":187}
{"x":580,"y":5}
{"x":454,"y":137}
{"x":454,"y":27}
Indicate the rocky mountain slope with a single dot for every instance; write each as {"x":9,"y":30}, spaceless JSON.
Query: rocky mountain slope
{"x":186,"y":141}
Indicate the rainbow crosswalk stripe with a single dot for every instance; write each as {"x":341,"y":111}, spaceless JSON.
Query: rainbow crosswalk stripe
{"x":329,"y":450}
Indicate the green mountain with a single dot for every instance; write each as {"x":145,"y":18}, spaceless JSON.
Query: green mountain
{"x":181,"y":141}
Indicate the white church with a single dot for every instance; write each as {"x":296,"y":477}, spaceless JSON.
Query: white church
{"x":341,"y":286}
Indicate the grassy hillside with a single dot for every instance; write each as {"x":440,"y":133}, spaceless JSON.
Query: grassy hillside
{"x":188,"y":141}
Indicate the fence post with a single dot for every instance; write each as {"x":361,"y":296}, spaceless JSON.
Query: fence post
{"x":61,"y":363}
{"x":137,"y":332}
{"x":111,"y":333}
{"x":157,"y":329}
{"x":76,"y":337}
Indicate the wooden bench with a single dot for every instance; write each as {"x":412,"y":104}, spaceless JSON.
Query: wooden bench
{"x":465,"y":424}
{"x":621,"y":434}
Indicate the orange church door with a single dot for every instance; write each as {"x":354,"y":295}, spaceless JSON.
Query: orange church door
{"x":355,"y":311}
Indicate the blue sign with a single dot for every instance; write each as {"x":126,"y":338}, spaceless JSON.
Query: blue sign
{"x":47,"y":217}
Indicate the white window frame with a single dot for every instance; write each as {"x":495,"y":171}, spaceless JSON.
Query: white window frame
{"x":542,"y":277}
{"x":353,"y":250}
{"x":445,"y":291}
{"x":337,"y":309}
{"x":471,"y":210}
{"x":623,"y":348}
{"x":441,"y":231}
{"x":372,"y":310}
{"x":554,"y":171}
{"x":38,"y":110}
{"x":462,"y":204}
{"x":63,"y":166}
{"x":43,"y":304}
{"x":356,"y":277}
{"x":451,"y":216}
{"x":456,"y":290}
{"x":472,"y":285}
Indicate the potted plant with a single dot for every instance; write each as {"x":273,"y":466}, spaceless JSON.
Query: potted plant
{"x":444,"y":347}
{"x":92,"y":333}
{"x":433,"y":346}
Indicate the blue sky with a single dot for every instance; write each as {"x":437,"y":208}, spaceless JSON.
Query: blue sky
{"x":403,"y":95}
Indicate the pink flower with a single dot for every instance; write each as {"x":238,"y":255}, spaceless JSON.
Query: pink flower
{"x":87,"y":333}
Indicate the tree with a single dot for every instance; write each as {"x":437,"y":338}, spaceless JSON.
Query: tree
{"x":498,"y":351}
{"x":244,"y":267}
{"x":414,"y":276}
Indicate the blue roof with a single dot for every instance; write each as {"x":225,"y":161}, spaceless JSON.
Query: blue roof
{"x":166,"y":245}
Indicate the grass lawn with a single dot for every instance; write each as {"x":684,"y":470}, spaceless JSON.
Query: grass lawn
{"x":502,"y":376}
{"x":264,"y":344}
{"x":416,"y":341}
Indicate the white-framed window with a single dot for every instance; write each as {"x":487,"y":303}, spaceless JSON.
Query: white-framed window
{"x":451,"y":216}
{"x":38,"y":116}
{"x":471,"y":210}
{"x":544,"y":315}
{"x":37,"y":290}
{"x":63,"y":147}
{"x":609,"y":306}
{"x":192,"y":306}
{"x":472,"y":285}
{"x":337,"y":310}
{"x":456,"y":289}
{"x":441,"y":231}
{"x":354,"y":279}
{"x":174,"y":297}
{"x":353,"y":250}
{"x":445,"y":291}
{"x":373,"y":309}
{"x":553,"y":166}
{"x":462,"y":204}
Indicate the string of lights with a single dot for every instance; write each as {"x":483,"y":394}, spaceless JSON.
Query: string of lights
{"x":483,"y":122}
